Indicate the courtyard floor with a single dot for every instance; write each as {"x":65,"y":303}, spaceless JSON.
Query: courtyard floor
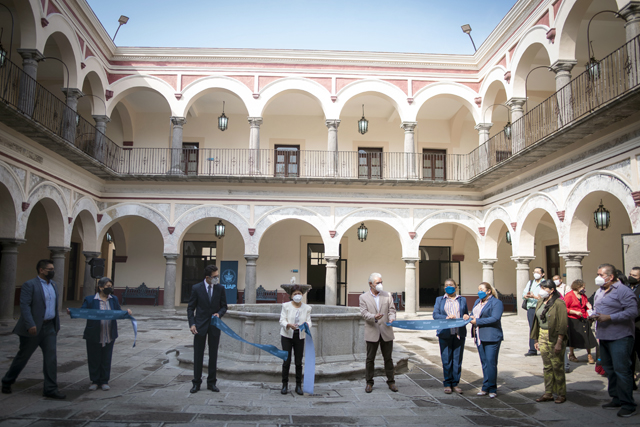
{"x":148,"y":389}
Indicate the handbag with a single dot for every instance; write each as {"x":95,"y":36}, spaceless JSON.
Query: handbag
{"x":524,"y":300}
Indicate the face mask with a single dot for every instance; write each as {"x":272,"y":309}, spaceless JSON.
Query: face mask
{"x":537,"y":276}
{"x":632,"y":280}
{"x":482,"y":294}
{"x":450,"y":290}
{"x":297,"y":298}
{"x":582,"y":292}
{"x":379,"y":287}
{"x":557,"y":282}
{"x":50,"y":275}
{"x":543,"y":294}
{"x":600,"y":281}
{"x":215,"y":280}
{"x":107,"y":291}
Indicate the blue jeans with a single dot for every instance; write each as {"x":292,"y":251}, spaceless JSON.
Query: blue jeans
{"x":616,"y":361}
{"x":488,"y":352}
{"x":451,"y":351}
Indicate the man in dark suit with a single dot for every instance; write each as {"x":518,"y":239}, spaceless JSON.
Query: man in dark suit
{"x":208,"y":299}
{"x":38,"y":326}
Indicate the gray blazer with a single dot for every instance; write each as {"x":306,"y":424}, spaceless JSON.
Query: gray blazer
{"x":33,"y":307}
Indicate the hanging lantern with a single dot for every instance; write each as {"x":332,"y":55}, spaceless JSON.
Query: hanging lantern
{"x":507,"y":130}
{"x":363,"y":124}
{"x":220,"y":230}
{"x":223,"y":121}
{"x":362,"y":232}
{"x":593,"y":67}
{"x":508,"y":237}
{"x":3,"y":56}
{"x":602,"y":217}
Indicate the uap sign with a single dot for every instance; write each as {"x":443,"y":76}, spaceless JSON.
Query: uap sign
{"x":229,"y":279}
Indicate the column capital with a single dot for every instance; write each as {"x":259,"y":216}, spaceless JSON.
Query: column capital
{"x":331,"y":260}
{"x":516,"y":103}
{"x":631,"y":11}
{"x":255,"y":121}
{"x":331,"y":124}
{"x":171,"y":257}
{"x":408,"y":126}
{"x":410,"y":261}
{"x":178,"y":121}
{"x":565,"y":65}
{"x":59,"y":250}
{"x":72,"y":92}
{"x":89,"y":254}
{"x":573,"y":256}
{"x":14,"y":243}
{"x":32,"y":54}
{"x":251,"y":257}
{"x":483,"y":127}
{"x":101,"y":119}
{"x":523,"y":260}
{"x":488,"y":262}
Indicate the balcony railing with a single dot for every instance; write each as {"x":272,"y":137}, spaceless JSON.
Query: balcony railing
{"x":614,"y":76}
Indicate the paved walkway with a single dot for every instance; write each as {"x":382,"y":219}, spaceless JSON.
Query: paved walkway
{"x":148,"y":389}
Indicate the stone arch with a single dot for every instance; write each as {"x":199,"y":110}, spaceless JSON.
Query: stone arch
{"x":303,"y":214}
{"x":63,"y":34}
{"x":86,"y":211}
{"x":11,"y":197}
{"x":119,"y":239}
{"x":579,"y":220}
{"x":96,"y":82}
{"x":455,"y":90}
{"x":301,"y":84}
{"x":449,"y":216}
{"x":568,"y":21}
{"x":113,"y":214}
{"x":130,"y":84}
{"x":200,"y":213}
{"x":493,"y":222}
{"x":194,"y":90}
{"x":530,"y":213}
{"x":25,"y":21}
{"x":489,"y":92}
{"x":376,"y":87}
{"x":53,"y":201}
{"x":524,"y":54}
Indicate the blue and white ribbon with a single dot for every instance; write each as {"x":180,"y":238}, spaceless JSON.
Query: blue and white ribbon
{"x":429,"y":325}
{"x":309,"y":360}
{"x":218,"y":323}
{"x":95,"y":314}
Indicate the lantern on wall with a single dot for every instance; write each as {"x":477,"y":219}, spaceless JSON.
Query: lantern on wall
{"x":602,"y":217}
{"x":507,"y":130}
{"x":593,"y":67}
{"x":508,"y":237}
{"x":220,"y":230}
{"x":363,"y":124}
{"x":223,"y":120}
{"x":362,"y":232}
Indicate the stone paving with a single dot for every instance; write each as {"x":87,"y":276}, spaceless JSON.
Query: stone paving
{"x":148,"y":388}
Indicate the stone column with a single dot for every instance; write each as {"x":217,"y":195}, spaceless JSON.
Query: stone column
{"x":483,"y":161}
{"x":631,"y":14}
{"x":59,"y":257}
{"x":487,"y":270}
{"x":170,"y":283}
{"x":522,"y":277}
{"x":8,"y":278}
{"x":100,"y":141}
{"x":254,"y":145}
{"x":564,"y":95}
{"x":176,"y":145}
{"x":27,"y":90}
{"x":69,"y":124}
{"x":410,"y":301}
{"x":409,"y":149}
{"x":331,"y":282}
{"x":89,"y":283}
{"x":250,"y":279}
{"x":332,"y":147}
{"x":517,"y":125}
{"x":573,"y":265}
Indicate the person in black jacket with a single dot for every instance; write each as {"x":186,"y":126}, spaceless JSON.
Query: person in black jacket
{"x":634,"y":283}
{"x":208,"y":299}
{"x":100,"y":335}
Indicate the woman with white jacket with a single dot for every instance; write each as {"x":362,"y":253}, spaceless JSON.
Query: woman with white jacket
{"x":293,"y":315}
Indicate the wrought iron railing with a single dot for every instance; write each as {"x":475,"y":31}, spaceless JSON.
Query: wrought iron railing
{"x":596,"y":87}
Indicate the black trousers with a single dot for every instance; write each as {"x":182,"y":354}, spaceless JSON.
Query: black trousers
{"x":199,"y":341}
{"x":386,"y":347}
{"x":636,"y":351}
{"x":46,"y":340}
{"x":99,"y":359}
{"x":531,"y":314}
{"x":297,"y":345}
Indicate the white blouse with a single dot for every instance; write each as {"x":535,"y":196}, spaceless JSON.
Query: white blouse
{"x":289,"y":314}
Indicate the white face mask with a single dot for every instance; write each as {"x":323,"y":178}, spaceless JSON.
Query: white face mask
{"x":297,"y":298}
{"x":537,"y":276}
{"x":379,"y":287}
{"x":557,"y":282}
{"x":543,"y":294}
{"x":600,"y":281}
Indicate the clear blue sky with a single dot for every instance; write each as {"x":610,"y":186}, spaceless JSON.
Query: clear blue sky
{"x":419,"y":26}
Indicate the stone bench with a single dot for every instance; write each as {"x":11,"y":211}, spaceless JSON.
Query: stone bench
{"x":141,"y":291}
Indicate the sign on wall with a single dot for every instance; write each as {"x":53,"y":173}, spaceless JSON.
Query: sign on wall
{"x":229,"y":279}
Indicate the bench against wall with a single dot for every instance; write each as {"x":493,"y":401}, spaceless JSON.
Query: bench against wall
{"x":141,"y":291}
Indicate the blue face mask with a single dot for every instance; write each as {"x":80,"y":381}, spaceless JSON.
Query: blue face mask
{"x":450,"y":290}
{"x":482,"y":294}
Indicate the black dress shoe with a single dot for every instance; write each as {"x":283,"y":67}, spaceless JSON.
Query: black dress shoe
{"x":6,"y":388}
{"x":195,"y":388}
{"x":528,"y":354}
{"x":299,"y":389}
{"x":55,"y":395}
{"x":213,"y":388}
{"x":285,"y":388}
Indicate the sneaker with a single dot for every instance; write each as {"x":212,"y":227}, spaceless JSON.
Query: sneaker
{"x":567,"y":369}
{"x":626,"y":412}
{"x":105,"y":387}
{"x":493,"y":395}
{"x":611,"y":405}
{"x":93,"y":387}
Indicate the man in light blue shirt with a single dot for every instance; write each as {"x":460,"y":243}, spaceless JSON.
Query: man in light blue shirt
{"x":49,"y":298}
{"x":531,"y":296}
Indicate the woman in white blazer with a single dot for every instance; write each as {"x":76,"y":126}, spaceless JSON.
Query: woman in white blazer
{"x":293,"y":314}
